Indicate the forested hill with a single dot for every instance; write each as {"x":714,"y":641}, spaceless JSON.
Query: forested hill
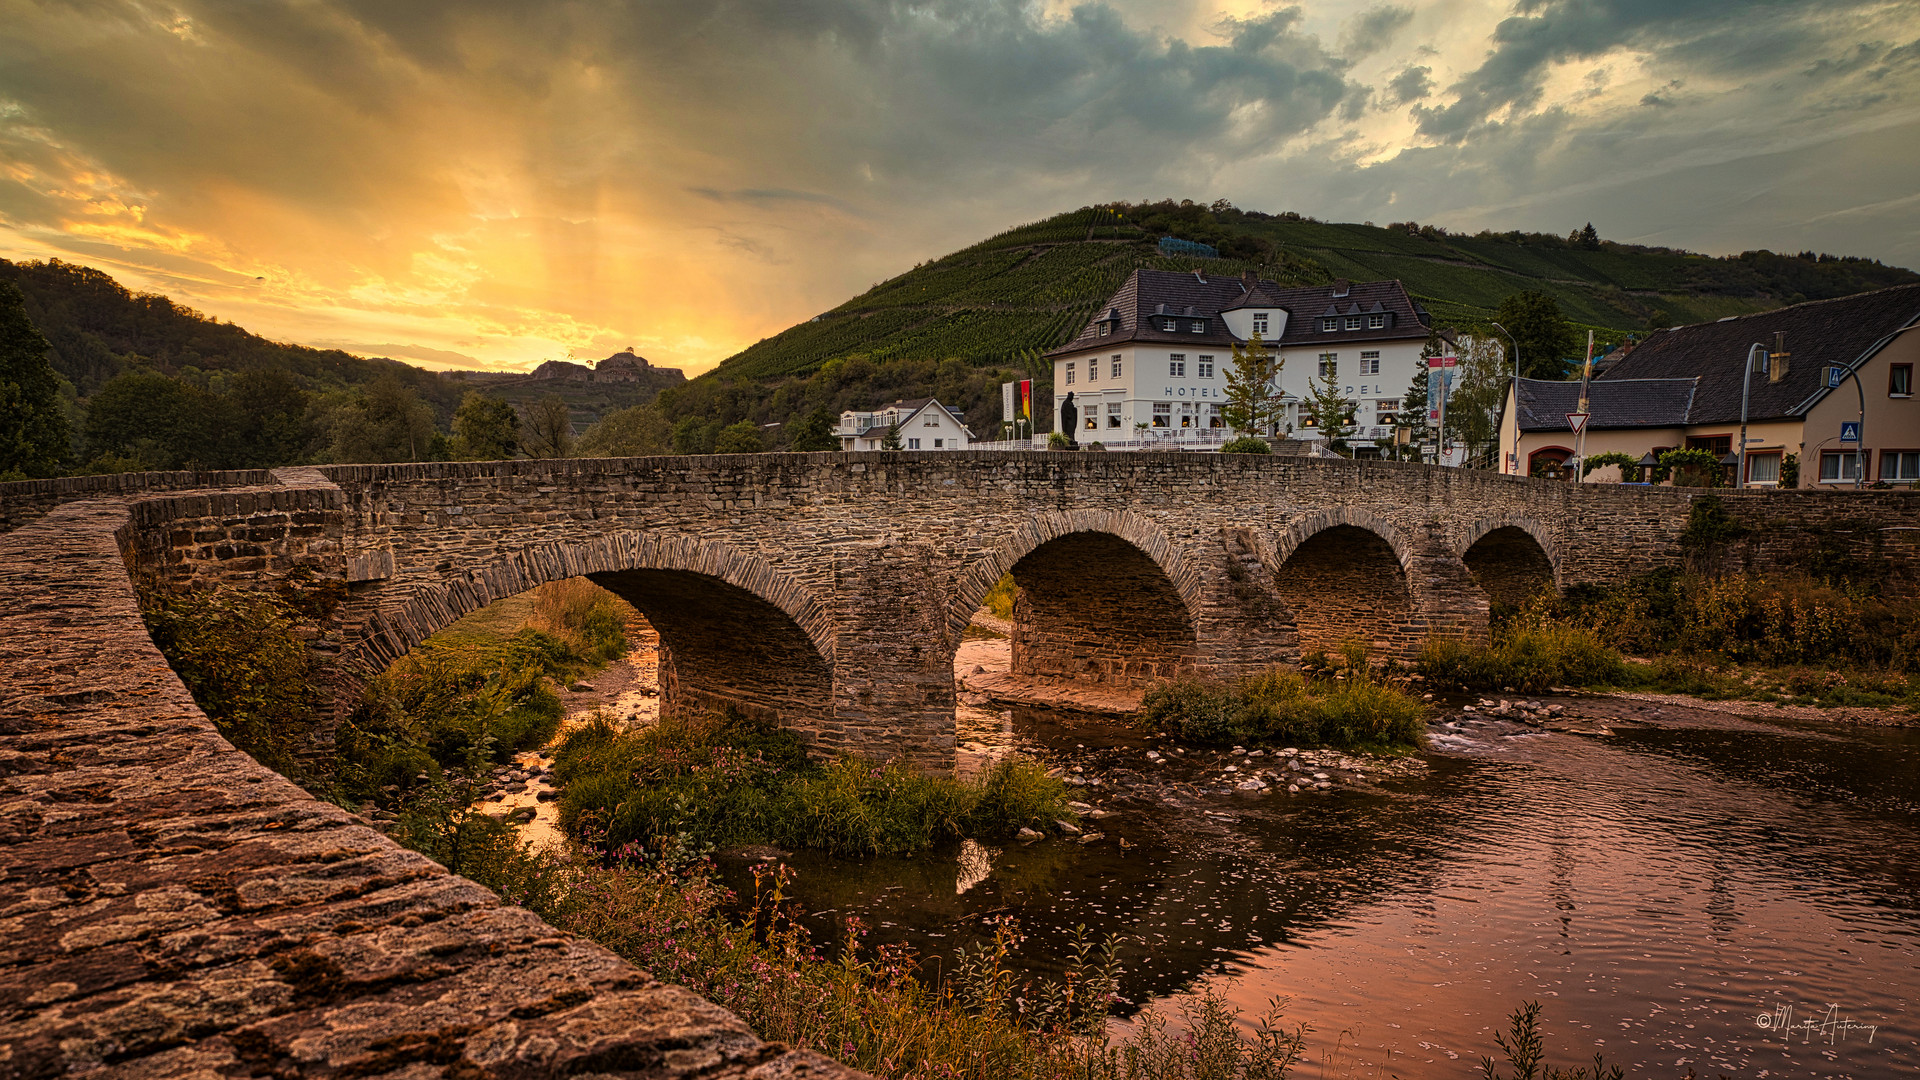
{"x":1003,"y":301}
{"x":99,"y":328}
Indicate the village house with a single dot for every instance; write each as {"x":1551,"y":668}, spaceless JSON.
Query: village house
{"x":923,"y":423}
{"x":1828,"y":360}
{"x":1152,"y":364}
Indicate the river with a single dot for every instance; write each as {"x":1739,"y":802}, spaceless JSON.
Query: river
{"x":1679,"y":888}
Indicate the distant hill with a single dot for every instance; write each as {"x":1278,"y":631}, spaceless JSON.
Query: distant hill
{"x":1007,"y":299}
{"x":618,"y":382}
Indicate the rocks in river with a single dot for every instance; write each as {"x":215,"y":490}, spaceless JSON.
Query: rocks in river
{"x":523,"y":815}
{"x":1026,"y":835}
{"x":1092,"y":837}
{"x":582,"y":688}
{"x":1239,"y":751}
{"x":1251,"y":783}
{"x":546,"y":795}
{"x":1067,"y":827}
{"x":1293,"y":789}
{"x":1079,"y":807}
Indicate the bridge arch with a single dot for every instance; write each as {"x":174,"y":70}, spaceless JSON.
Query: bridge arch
{"x":1104,"y":597}
{"x":1344,"y":573}
{"x":734,"y":629}
{"x":1511,"y":557}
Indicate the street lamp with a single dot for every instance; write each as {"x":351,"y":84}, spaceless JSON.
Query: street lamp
{"x":1746,"y":381}
{"x":1732,"y":461}
{"x":1647,"y":465}
{"x":1516,"y":395}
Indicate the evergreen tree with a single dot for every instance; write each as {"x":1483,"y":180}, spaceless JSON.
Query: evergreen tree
{"x":1252,"y":406}
{"x":1589,"y":238}
{"x":1547,"y":342}
{"x":33,"y":425}
{"x":892,"y":439}
{"x":815,"y":432}
{"x":1413,"y":416}
{"x":485,"y":429}
{"x":1332,"y":413}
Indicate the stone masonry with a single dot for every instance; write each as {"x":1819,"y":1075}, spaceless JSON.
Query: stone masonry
{"x":169,"y":907}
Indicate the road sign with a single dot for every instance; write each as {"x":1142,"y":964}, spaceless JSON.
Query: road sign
{"x":1849,"y":431}
{"x":1577,"y":421}
{"x":1835,"y":375}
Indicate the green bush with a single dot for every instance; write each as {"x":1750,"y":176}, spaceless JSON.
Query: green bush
{"x":712,"y":779}
{"x":1529,"y":657}
{"x":1246,"y":444}
{"x":1278,"y":706}
{"x":245,"y":664}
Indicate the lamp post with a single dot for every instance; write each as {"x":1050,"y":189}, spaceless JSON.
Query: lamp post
{"x":1647,"y":465}
{"x":1515,"y":453}
{"x":1746,"y":382}
{"x":1731,"y":461}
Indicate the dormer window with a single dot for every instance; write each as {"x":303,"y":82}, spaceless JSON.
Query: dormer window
{"x":1170,"y":325}
{"x":1376,"y":322}
{"x":1353,"y":322}
{"x":1106,"y":328}
{"x":1199,"y":326}
{"x":1328,"y":326}
{"x":1260,"y":323}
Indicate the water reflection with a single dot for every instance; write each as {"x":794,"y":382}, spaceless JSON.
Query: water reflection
{"x":1661,"y":888}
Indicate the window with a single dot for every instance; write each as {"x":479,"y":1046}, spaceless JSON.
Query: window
{"x":1206,"y":367}
{"x":913,"y":444}
{"x":1376,"y":322}
{"x":1177,"y":366}
{"x":1093,"y":371}
{"x":1897,"y":466}
{"x":1163,"y":414}
{"x":1170,"y":325}
{"x":1113,"y":414}
{"x":1370,"y":362}
{"x":938,"y":443}
{"x":1308,"y":420}
{"x":1116,"y":367}
{"x":1717,"y":445}
{"x":1106,"y":328}
{"x":1353,"y":322}
{"x":1763,"y":468}
{"x":1199,"y":326}
{"x":1069,"y":373}
{"x":1387,"y":405}
{"x":1839,"y":466}
{"x":1329,"y":365}
{"x":1187,"y":419}
{"x":1093,"y":418}
{"x":1327,"y":326}
{"x":1260,"y":323}
{"x":1900,"y":380}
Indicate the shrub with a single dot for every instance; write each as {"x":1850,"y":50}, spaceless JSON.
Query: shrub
{"x":1279,"y":706}
{"x":1530,"y":657}
{"x":591,"y":620}
{"x":240,"y":656}
{"x":1057,"y":440}
{"x":1246,"y":444}
{"x":999,"y":599}
{"x":697,"y":780}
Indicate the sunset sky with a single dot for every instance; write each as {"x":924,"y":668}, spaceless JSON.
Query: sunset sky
{"x":492,"y":183}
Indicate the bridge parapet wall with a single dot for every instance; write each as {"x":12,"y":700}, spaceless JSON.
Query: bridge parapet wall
{"x":25,"y":501}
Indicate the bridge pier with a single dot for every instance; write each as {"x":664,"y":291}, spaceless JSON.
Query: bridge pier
{"x":893,"y":660}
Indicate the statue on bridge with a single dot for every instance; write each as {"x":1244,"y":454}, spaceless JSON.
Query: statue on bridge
{"x":1069,"y":419}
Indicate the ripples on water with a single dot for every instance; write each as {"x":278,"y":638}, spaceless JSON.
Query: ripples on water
{"x":1666,"y":891}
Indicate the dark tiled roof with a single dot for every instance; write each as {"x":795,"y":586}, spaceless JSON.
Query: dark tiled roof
{"x":1614,"y":403}
{"x":1818,"y":334}
{"x":1140,"y":301}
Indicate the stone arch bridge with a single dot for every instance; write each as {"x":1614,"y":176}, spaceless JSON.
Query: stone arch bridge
{"x":830,"y":591}
{"x":173,"y":908}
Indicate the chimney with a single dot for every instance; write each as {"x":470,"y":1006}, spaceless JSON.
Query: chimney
{"x":1777,"y":357}
{"x":1341,"y":286}
{"x":1248,"y":280}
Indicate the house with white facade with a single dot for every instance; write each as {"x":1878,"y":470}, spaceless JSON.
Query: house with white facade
{"x":924,"y":424}
{"x":1151,"y":366}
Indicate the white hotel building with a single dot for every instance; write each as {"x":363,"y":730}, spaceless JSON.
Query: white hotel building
{"x":1157,"y":355}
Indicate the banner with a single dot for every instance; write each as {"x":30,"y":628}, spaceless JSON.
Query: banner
{"x":1006,"y":401}
{"x":1439,"y":387}
{"x":1026,"y":399}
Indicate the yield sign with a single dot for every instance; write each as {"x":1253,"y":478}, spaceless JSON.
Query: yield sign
{"x":1577,"y":421}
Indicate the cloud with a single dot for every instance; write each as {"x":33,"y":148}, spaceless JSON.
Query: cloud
{"x":508,"y":181}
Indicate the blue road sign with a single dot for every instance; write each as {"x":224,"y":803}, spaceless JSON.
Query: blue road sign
{"x":1834,"y":375}
{"x":1849,"y":431}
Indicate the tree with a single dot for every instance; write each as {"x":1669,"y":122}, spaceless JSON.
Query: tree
{"x":637,"y":431}
{"x":548,"y":428}
{"x":1414,"y":407}
{"x":740,"y":438}
{"x":485,"y":429}
{"x":1252,"y":407}
{"x":1332,"y":413}
{"x":891,"y":441}
{"x":1479,"y":389}
{"x":1589,"y":238}
{"x":815,"y":432}
{"x":33,"y":424}
{"x":143,"y":420}
{"x":1545,"y":339}
{"x":274,"y":419}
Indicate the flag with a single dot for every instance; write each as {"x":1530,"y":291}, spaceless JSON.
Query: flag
{"x":1026,"y":399}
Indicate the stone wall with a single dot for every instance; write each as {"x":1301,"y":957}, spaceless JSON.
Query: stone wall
{"x":1871,"y":535}
{"x":24,"y":501}
{"x":171,"y":908}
